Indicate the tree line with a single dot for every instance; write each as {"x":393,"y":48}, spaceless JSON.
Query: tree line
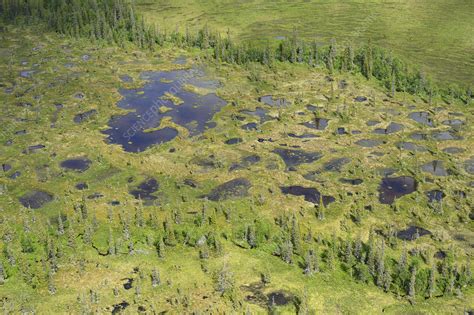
{"x":36,"y":251}
{"x":117,"y":22}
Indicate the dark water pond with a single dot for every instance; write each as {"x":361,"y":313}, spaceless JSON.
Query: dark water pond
{"x":246,"y":162}
{"x":81,"y":186}
{"x":368,"y":143}
{"x":78,"y":164}
{"x":396,"y":187}
{"x":35,"y":199}
{"x":391,"y":128}
{"x":435,"y":195}
{"x":371,"y":123}
{"x":317,"y":123}
{"x":302,"y":136}
{"x":341,"y":131}
{"x":128,"y":284}
{"x":15,"y":175}
{"x":249,"y":126}
{"x":446,"y":135}
{"x":258,"y":112}
{"x":234,"y":188}
{"x":233,"y":141}
{"x":312,"y":108}
{"x":412,"y":233}
{"x":27,"y":74}
{"x":33,"y":148}
{"x":453,"y":150}
{"x":6,"y":167}
{"x":355,"y":182}
{"x":294,"y":158}
{"x":279,"y":298}
{"x":141,"y":128}
{"x":453,"y":122}
{"x":360,"y":99}
{"x":419,"y":136}
{"x":335,"y":165}
{"x":435,"y":168}
{"x":440,"y":254}
{"x":145,"y":190}
{"x":118,"y":308}
{"x":81,"y":117}
{"x":269,"y":100}
{"x":410,"y":146}
{"x":310,"y":194}
{"x":423,"y":118}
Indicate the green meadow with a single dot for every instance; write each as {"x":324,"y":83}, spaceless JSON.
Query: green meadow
{"x":435,"y":35}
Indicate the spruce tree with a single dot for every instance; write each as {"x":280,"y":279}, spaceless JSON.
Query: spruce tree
{"x":411,"y":286}
{"x":2,"y":274}
{"x":295,"y":234}
{"x":155,"y":278}
{"x":387,"y":280}
{"x":432,"y":281}
{"x":381,"y":265}
{"x":225,"y":280}
{"x":161,"y":248}
{"x":111,"y":242}
{"x":251,"y":237}
{"x":308,"y":263}
{"x":60,"y":225}
{"x":286,"y":251}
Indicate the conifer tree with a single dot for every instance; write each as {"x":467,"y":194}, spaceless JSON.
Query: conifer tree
{"x":387,"y":280}
{"x":60,"y":225}
{"x":308,"y":263}
{"x":225,"y":280}
{"x":286,"y":251}
{"x":295,"y":234}
{"x":411,"y":286}
{"x":381,"y":265}
{"x":161,"y":248}
{"x":111,"y":250}
{"x":432,"y":281}
{"x":2,"y":274}
{"x":251,"y":237}
{"x":155,"y":278}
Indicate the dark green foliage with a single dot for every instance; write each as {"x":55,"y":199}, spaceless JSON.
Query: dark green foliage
{"x":27,"y":245}
{"x":251,"y":237}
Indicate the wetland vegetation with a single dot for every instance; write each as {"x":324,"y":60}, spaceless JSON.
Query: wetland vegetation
{"x":151,"y":169}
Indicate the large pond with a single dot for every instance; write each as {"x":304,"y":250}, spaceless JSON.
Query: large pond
{"x":169,"y":95}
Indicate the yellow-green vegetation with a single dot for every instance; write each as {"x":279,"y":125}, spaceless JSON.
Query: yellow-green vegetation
{"x":101,"y":249}
{"x":432,"y":34}
{"x":173,"y":98}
